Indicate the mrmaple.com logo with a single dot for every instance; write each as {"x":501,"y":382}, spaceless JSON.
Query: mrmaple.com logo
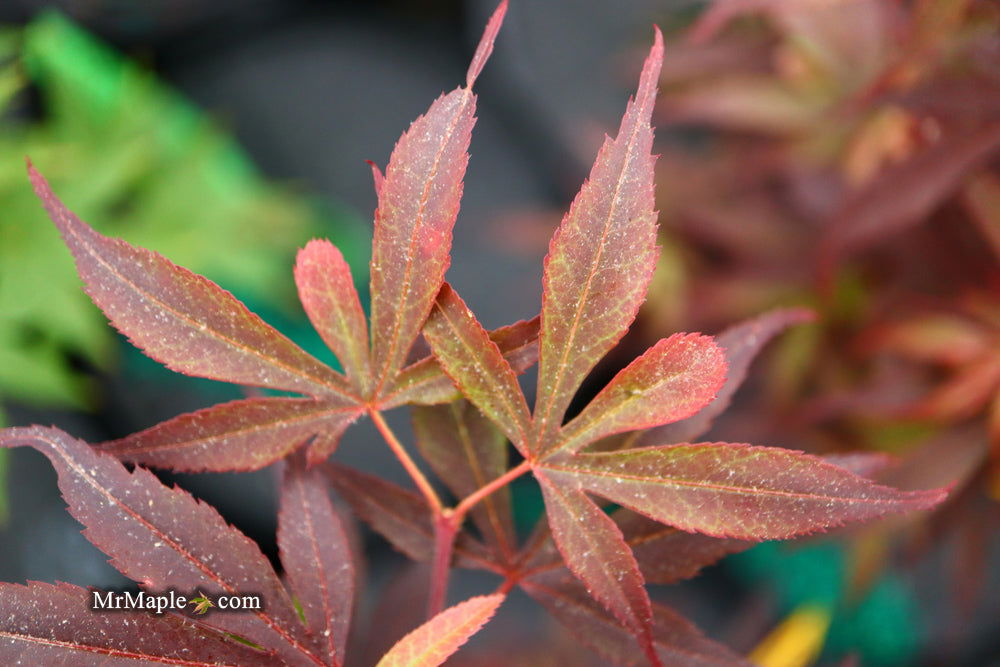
{"x":171,"y":601}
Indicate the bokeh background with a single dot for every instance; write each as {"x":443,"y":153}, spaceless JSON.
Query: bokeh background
{"x":834,"y":154}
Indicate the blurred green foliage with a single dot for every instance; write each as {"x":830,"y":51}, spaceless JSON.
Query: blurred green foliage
{"x":136,"y":160}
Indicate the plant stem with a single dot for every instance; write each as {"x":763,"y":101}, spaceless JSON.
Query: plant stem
{"x":497,"y":484}
{"x":418,"y":477}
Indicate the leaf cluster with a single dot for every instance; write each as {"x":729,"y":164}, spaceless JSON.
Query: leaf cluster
{"x":682,"y":504}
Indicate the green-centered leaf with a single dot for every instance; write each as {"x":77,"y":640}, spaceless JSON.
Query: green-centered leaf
{"x":418,"y":202}
{"x":241,"y":435}
{"x":437,"y":639}
{"x":316,"y":556}
{"x":595,"y":551}
{"x":476,"y":365}
{"x":600,"y":260}
{"x":734,"y":490}
{"x":163,"y":538}
{"x":425,"y":383}
{"x":467,"y":451}
{"x":45,"y":624}
{"x":327,"y":292}
{"x":181,"y":319}
{"x":674,"y":379}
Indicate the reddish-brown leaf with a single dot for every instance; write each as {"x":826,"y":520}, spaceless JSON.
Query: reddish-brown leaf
{"x":437,"y":639}
{"x":904,"y":194}
{"x":418,"y":204}
{"x":327,"y":292}
{"x":476,"y":365}
{"x":424,"y":383}
{"x":181,"y":319}
{"x":240,"y":435}
{"x":163,"y":538}
{"x":678,"y":643}
{"x":741,"y":344}
{"x":666,"y":554}
{"x":600,"y":260}
{"x":674,"y":379}
{"x":316,"y":556}
{"x":400,"y":516}
{"x":45,"y":624}
{"x":466,"y":451}
{"x":733,"y":490}
{"x":596,"y":553}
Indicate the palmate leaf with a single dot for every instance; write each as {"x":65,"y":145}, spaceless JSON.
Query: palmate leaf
{"x":596,"y":274}
{"x":163,"y":538}
{"x":45,"y":624}
{"x":434,"y":641}
{"x":195,"y":327}
{"x":316,"y":556}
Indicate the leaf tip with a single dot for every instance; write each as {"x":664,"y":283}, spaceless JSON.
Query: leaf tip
{"x":485,"y":47}
{"x":377,"y":176}
{"x":651,"y":71}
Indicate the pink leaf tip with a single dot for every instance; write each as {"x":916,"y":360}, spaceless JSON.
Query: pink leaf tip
{"x":650,"y":76}
{"x":485,"y":47}
{"x":377,"y":176}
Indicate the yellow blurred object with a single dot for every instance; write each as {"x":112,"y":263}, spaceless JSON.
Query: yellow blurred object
{"x":797,"y":641}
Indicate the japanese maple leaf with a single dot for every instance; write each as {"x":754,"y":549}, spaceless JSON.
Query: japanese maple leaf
{"x":195,"y":327}
{"x":164,"y":539}
{"x":597,"y":270}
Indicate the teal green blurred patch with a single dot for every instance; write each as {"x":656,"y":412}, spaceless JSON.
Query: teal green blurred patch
{"x":883,"y":628}
{"x":136,"y":160}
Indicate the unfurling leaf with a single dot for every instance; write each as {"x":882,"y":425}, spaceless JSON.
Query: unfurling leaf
{"x":437,"y":639}
{"x":600,"y":260}
{"x":45,"y":624}
{"x":316,"y":556}
{"x":181,"y":319}
{"x":674,"y":379}
{"x":476,"y":365}
{"x":240,"y":435}
{"x":163,"y":538}
{"x":733,"y":490}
